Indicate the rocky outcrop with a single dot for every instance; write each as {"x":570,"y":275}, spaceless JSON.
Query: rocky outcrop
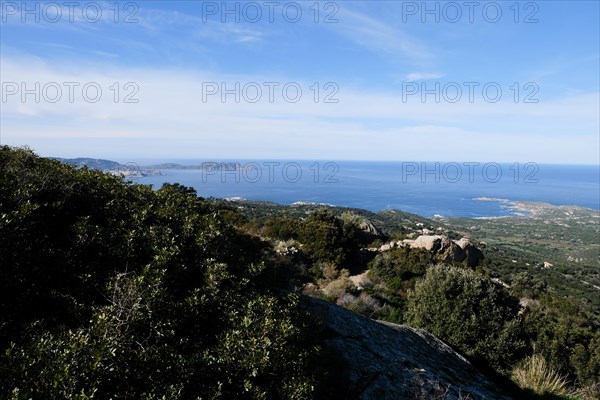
{"x":387,"y":246}
{"x":388,"y":361}
{"x":451,"y":252}
{"x":431,"y":243}
{"x":472,"y":254}
{"x":367,"y":227}
{"x":445,"y":250}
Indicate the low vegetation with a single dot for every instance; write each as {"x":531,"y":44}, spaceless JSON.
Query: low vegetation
{"x":115,"y":290}
{"x":535,"y":374}
{"x":111,"y":290}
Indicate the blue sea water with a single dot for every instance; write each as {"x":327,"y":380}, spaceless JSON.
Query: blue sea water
{"x":426,"y":189}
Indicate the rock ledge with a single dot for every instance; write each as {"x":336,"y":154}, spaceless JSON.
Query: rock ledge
{"x":389,"y":361}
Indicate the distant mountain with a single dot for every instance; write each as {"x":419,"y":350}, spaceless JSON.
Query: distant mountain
{"x":206,"y":165}
{"x":94,"y":163}
{"x":130,"y":170}
{"x":108,"y":165}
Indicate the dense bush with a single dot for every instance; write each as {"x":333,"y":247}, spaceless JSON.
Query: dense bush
{"x":113,"y":290}
{"x":325,"y":238}
{"x":526,"y":285}
{"x":562,"y":333}
{"x":393,"y":274}
{"x":470,"y":313}
{"x":282,"y":228}
{"x":399,"y":268}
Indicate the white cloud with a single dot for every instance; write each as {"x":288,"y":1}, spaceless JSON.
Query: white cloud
{"x":417,"y":76}
{"x":171,"y":120}
{"x":379,"y":37}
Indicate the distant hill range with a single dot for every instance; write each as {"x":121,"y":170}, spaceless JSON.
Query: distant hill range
{"x":206,"y":165}
{"x":131,"y":170}
{"x":109,"y":165}
{"x":94,"y":163}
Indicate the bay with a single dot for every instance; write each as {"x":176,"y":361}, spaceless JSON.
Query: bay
{"x":423,"y":188}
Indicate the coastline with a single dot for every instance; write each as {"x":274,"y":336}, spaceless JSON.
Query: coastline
{"x":533,"y":209}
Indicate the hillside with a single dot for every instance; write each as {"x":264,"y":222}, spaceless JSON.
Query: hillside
{"x":110,"y":289}
{"x":376,"y":272}
{"x":564,"y":236}
{"x":557,"y":244}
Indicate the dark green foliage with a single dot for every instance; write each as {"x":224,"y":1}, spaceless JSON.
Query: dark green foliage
{"x":400,"y":267}
{"x":566,"y":236}
{"x":566,"y":337}
{"x":179,"y":188}
{"x":112,"y":290}
{"x":282,"y":228}
{"x":394,"y":273}
{"x":322,"y":235}
{"x":266,"y":337}
{"x":526,"y":285}
{"x":325,"y":238}
{"x":469,"y":312}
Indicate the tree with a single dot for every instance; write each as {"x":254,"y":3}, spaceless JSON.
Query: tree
{"x":322,"y":236}
{"x":470,"y":313}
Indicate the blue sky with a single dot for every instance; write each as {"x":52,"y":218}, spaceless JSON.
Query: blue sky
{"x":379,"y":80}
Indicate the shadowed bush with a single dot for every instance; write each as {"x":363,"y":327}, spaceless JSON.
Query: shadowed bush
{"x":114,"y":290}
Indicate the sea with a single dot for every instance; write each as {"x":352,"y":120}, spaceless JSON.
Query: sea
{"x":428,"y":189}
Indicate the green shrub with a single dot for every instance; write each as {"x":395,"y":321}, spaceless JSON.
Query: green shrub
{"x":399,"y":268}
{"x":566,"y":337}
{"x":114,"y":290}
{"x":470,"y":313}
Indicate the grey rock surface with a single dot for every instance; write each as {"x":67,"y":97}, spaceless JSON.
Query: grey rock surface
{"x":389,"y":361}
{"x":368,"y":227}
{"x":447,"y":250}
